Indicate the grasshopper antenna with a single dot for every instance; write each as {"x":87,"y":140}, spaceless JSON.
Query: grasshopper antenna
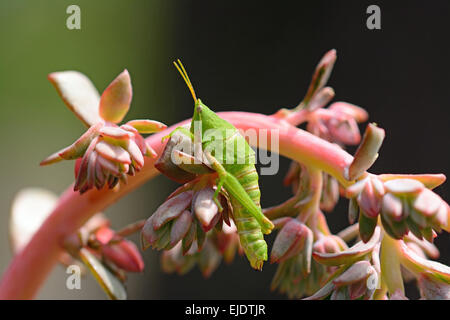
{"x":185,"y":77}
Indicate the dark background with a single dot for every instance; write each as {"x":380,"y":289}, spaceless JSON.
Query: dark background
{"x":251,"y":56}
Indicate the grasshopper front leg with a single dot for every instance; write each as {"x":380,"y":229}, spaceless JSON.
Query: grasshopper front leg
{"x":235,"y":189}
{"x":182,"y":130}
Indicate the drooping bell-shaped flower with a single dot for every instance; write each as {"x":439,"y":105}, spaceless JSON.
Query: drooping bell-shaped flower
{"x":186,"y":216}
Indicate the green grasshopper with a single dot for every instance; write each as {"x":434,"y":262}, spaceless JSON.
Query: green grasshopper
{"x":238,"y":178}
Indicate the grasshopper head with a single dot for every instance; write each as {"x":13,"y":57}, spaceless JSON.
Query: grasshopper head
{"x":202,"y":113}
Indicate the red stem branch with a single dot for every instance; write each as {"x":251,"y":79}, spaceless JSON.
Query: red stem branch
{"x":31,"y":266}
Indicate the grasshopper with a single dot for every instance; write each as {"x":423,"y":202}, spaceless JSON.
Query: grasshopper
{"x":238,"y":178}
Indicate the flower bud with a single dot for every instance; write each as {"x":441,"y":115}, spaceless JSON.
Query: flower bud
{"x":205,"y":208}
{"x":124,"y":254}
{"x":369,"y":201}
{"x":186,"y":216}
{"x":330,"y":193}
{"x":289,"y":241}
{"x":329,"y":244}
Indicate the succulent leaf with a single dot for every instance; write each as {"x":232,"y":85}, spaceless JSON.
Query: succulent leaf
{"x":79,"y":94}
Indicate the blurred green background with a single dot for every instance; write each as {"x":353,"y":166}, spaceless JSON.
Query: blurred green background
{"x":258,"y":57}
{"x":35,"y":122}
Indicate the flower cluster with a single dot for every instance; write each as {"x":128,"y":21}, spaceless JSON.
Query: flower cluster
{"x":338,"y":123}
{"x":97,"y":241}
{"x":218,"y":244}
{"x":357,"y":271}
{"x":298,"y":274}
{"x":106,"y":153}
{"x":403,"y":205}
{"x":186,"y":216}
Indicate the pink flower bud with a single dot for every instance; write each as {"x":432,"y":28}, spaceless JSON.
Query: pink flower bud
{"x":368,"y":201}
{"x":124,"y":254}
{"x":289,"y":241}
{"x":206,"y":209}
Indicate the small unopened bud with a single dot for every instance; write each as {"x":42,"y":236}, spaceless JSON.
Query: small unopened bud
{"x":205,"y":208}
{"x":125,"y":255}
{"x":289,"y":241}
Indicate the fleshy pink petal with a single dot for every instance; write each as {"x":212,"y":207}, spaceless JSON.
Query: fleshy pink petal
{"x":78,"y":148}
{"x":356,"y":188}
{"x":180,"y":227}
{"x":392,"y":206}
{"x":113,"y":153}
{"x":135,"y":154}
{"x":53,"y":158}
{"x":321,"y":75}
{"x":124,"y":255}
{"x":108,"y":165}
{"x":90,"y":179}
{"x":419,"y":265}
{"x":357,"y":272}
{"x":79,"y":94}
{"x":367,"y":151}
{"x":289,"y":241}
{"x":357,"y":113}
{"x":205,"y":208}
{"x":104,"y":234}
{"x":345,"y":131}
{"x":115,"y":133}
{"x":427,"y":202}
{"x":147,"y":126}
{"x":115,"y":100}
{"x":404,"y":186}
{"x":321,"y":99}
{"x":430,"y":181}
{"x":368,"y":201}
{"x":82,"y":172}
{"x":171,"y":209}
{"x":350,"y":255}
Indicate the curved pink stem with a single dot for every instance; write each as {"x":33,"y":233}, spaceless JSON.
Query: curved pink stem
{"x":31,"y":266}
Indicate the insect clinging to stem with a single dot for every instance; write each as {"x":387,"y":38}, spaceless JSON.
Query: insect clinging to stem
{"x":228,"y":154}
